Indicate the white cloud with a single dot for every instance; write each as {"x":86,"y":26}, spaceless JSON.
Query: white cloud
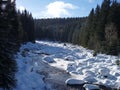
{"x":91,"y":1}
{"x":58,"y":9}
{"x":21,"y":8}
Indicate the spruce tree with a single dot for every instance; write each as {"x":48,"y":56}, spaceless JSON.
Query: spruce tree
{"x":27,"y":24}
{"x":8,"y":44}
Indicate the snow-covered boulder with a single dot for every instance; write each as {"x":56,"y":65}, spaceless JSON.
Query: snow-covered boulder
{"x":91,"y":87}
{"x":104,"y":71}
{"x":90,"y":79}
{"x":74,"y":73}
{"x":88,"y":72}
{"x":49,"y":59}
{"x":111,"y":77}
{"x":117,"y":85}
{"x":69,"y":58}
{"x":72,"y":64}
{"x":116,"y":74}
{"x":108,"y":83}
{"x":79,"y":70}
{"x":72,"y":81}
{"x":30,"y":46}
{"x":71,"y":67}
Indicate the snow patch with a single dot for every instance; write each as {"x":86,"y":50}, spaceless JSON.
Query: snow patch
{"x":72,"y":81}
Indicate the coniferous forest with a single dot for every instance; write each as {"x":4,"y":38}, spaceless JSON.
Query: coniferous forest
{"x":59,"y":29}
{"x":15,"y":28}
{"x":99,"y":31}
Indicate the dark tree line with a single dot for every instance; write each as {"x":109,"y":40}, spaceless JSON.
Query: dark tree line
{"x":12,"y":31}
{"x":100,"y":31}
{"x":59,"y":29}
{"x":26,"y":26}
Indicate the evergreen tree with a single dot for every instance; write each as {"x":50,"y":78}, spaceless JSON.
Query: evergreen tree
{"x":8,"y":44}
{"x":12,"y":32}
{"x":103,"y":18}
{"x":101,"y":31}
{"x":111,"y":38}
{"x":8,"y":67}
{"x":27,"y":24}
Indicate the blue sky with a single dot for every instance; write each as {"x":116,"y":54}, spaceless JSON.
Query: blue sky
{"x":58,"y":8}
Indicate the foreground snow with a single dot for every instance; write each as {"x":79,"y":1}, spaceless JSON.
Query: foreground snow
{"x":75,"y":60}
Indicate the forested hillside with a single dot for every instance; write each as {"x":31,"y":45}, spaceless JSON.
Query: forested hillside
{"x":102,"y":29}
{"x":99,"y":31}
{"x":59,"y":29}
{"x":12,"y":33}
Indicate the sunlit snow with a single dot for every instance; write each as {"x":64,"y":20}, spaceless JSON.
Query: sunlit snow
{"x":34,"y":59}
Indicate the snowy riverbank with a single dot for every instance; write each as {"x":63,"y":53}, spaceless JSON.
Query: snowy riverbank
{"x":38,"y":63}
